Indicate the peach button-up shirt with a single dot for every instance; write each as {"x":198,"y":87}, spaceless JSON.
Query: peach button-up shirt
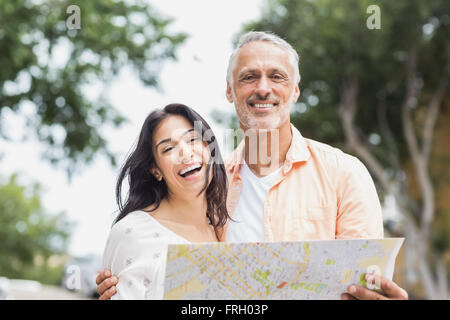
{"x":320,"y":193}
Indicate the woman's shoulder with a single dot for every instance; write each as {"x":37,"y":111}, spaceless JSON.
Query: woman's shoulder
{"x":132,"y":218}
{"x":133,"y":224}
{"x":132,"y":235}
{"x":140,"y":226}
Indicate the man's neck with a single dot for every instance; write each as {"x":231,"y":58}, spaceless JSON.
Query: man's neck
{"x":265,"y":150}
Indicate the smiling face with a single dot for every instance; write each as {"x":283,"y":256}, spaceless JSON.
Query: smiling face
{"x":263,"y":86}
{"x":181,"y":155}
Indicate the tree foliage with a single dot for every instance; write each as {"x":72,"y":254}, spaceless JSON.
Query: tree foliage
{"x":46,"y":68}
{"x":29,"y":236}
{"x":377,"y":93}
{"x":335,"y":44}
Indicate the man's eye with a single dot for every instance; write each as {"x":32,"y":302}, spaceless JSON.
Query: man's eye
{"x":277,"y":77}
{"x":248,"y":77}
{"x":194,"y":139}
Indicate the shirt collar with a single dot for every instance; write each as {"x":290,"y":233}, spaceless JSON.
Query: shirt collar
{"x":298,"y":151}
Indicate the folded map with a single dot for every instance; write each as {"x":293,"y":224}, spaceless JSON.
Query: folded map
{"x":276,"y":270}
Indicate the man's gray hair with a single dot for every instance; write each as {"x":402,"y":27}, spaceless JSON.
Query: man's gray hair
{"x":263,"y":36}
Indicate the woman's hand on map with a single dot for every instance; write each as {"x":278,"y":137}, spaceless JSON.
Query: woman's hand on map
{"x":106,"y":284}
{"x":389,"y":290}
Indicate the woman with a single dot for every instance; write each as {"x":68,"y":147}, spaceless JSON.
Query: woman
{"x":177,"y":194}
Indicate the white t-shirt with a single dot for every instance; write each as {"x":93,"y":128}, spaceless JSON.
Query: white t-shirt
{"x":248,"y":224}
{"x":136,"y":252}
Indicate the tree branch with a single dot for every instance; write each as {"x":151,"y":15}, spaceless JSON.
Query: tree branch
{"x":347,"y":112}
{"x":418,"y":237}
{"x":417,"y":156}
{"x":432,"y":115}
{"x":442,"y":278}
{"x":410,"y":102}
{"x":386,"y":133}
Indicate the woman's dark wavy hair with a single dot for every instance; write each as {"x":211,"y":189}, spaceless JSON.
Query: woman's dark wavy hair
{"x":145,"y":190}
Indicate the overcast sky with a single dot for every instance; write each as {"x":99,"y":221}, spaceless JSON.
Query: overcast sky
{"x":197,"y":79}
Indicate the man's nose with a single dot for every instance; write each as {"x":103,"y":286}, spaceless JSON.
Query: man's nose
{"x":263,"y":88}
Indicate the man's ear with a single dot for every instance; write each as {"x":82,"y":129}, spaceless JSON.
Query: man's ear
{"x":229,"y":93}
{"x":296,"y":94}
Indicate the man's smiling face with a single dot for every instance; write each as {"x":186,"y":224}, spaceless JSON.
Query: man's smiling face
{"x":263,"y":86}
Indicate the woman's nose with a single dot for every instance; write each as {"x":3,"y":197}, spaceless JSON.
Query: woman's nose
{"x":186,"y":153}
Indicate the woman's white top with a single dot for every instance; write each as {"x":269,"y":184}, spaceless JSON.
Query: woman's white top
{"x":136,"y":252}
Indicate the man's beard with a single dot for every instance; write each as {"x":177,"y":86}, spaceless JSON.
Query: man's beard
{"x":248,"y":120}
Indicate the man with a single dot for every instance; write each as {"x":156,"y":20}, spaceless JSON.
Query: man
{"x":283,"y":187}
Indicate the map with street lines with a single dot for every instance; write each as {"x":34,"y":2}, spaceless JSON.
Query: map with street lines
{"x":276,"y":270}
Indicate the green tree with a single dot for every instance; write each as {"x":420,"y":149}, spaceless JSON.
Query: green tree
{"x":49,"y":94}
{"x":377,"y":93}
{"x":30,"y":237}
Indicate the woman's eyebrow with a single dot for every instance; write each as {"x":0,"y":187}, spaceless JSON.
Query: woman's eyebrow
{"x":162,"y":141}
{"x":168,"y":139}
